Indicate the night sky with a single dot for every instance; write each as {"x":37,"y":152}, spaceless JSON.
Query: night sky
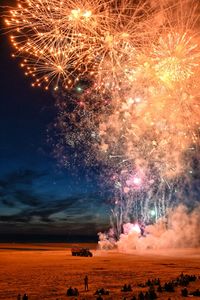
{"x":39,"y":200}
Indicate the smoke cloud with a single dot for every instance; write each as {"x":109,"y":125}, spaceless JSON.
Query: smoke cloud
{"x":179,"y":230}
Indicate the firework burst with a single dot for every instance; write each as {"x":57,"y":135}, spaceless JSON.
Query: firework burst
{"x":138,"y":111}
{"x":62,"y":41}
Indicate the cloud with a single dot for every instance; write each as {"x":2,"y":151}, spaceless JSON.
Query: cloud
{"x":16,"y":187}
{"x":43,"y":209}
{"x":24,"y":177}
{"x":8,"y":202}
{"x":39,"y":207}
{"x":43,"y":213}
{"x":26,"y":198}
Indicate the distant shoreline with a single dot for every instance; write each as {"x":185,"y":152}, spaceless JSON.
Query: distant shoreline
{"x":44,"y":246}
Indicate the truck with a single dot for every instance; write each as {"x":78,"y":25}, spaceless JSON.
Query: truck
{"x":81,"y":252}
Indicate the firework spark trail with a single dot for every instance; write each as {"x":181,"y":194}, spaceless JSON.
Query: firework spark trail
{"x":138,"y":112}
{"x":163,"y":101}
{"x":64,"y":40}
{"x":54,"y":37}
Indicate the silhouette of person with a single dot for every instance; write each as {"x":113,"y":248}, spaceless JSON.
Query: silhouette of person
{"x":19,"y":297}
{"x":25,"y":297}
{"x":86,"y":283}
{"x":76,"y":293}
{"x":70,"y":291}
{"x":141,"y":296}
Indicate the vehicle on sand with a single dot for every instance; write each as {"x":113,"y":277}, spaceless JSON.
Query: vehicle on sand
{"x":81,"y":252}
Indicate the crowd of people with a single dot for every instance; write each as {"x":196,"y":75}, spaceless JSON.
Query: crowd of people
{"x":149,"y":295}
{"x":195,"y":293}
{"x":126,"y":288}
{"x":186,"y":293}
{"x":154,"y":287}
{"x":182,"y":280}
{"x":150,"y":282}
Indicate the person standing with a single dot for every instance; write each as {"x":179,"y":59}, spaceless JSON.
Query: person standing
{"x":86,"y":283}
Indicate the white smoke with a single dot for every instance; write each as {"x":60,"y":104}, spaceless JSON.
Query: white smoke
{"x":180,"y":230}
{"x":106,"y":240}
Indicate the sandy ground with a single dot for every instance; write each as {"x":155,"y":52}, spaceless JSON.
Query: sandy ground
{"x":46,"y":271}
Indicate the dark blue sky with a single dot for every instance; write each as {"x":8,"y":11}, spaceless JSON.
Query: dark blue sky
{"x":38,"y":199}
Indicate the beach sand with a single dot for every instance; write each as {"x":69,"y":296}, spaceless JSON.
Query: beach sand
{"x":45,"y":271}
